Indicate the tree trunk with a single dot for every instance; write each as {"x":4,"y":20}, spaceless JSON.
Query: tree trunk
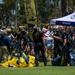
{"x":64,"y":7}
{"x":74,"y":5}
{"x":16,"y":10}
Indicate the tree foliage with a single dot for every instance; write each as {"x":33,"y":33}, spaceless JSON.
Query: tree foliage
{"x":47,"y":9}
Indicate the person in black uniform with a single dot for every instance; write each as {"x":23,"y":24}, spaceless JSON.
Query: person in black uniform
{"x":60,"y":40}
{"x":39,"y":46}
{"x":57,"y":43}
{"x":69,"y":43}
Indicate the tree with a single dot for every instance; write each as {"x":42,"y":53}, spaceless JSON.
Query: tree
{"x":64,"y":7}
{"x":14,"y":10}
{"x":44,"y":10}
{"x":74,"y":5}
{"x":48,"y":9}
{"x":8,"y":6}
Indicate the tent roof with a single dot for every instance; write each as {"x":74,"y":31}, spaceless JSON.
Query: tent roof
{"x":66,"y":20}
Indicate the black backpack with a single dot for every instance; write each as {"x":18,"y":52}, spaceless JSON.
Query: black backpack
{"x":72,"y":57}
{"x":56,"y":61}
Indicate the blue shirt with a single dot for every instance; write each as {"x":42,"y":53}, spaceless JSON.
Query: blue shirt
{"x":4,"y":40}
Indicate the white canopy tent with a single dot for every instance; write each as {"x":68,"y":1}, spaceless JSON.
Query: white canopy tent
{"x":68,"y":20}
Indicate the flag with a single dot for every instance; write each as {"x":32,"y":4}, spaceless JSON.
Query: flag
{"x":30,"y":10}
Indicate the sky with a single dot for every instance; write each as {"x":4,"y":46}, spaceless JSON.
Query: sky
{"x":0,"y":1}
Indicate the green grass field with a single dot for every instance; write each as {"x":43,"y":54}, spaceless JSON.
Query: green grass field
{"x":41,"y":70}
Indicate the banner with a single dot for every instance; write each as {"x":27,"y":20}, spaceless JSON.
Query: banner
{"x":30,"y":10}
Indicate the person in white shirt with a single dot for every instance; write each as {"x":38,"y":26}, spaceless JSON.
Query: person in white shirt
{"x":49,"y":42}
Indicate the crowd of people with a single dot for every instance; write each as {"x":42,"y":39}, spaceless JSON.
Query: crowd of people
{"x":46,"y":40}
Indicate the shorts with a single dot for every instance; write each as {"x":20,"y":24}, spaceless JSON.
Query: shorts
{"x":49,"y":45}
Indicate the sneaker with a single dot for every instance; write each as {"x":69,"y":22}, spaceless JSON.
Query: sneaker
{"x":36,"y":65}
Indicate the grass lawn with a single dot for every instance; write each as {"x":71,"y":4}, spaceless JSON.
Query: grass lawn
{"x":41,"y":70}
